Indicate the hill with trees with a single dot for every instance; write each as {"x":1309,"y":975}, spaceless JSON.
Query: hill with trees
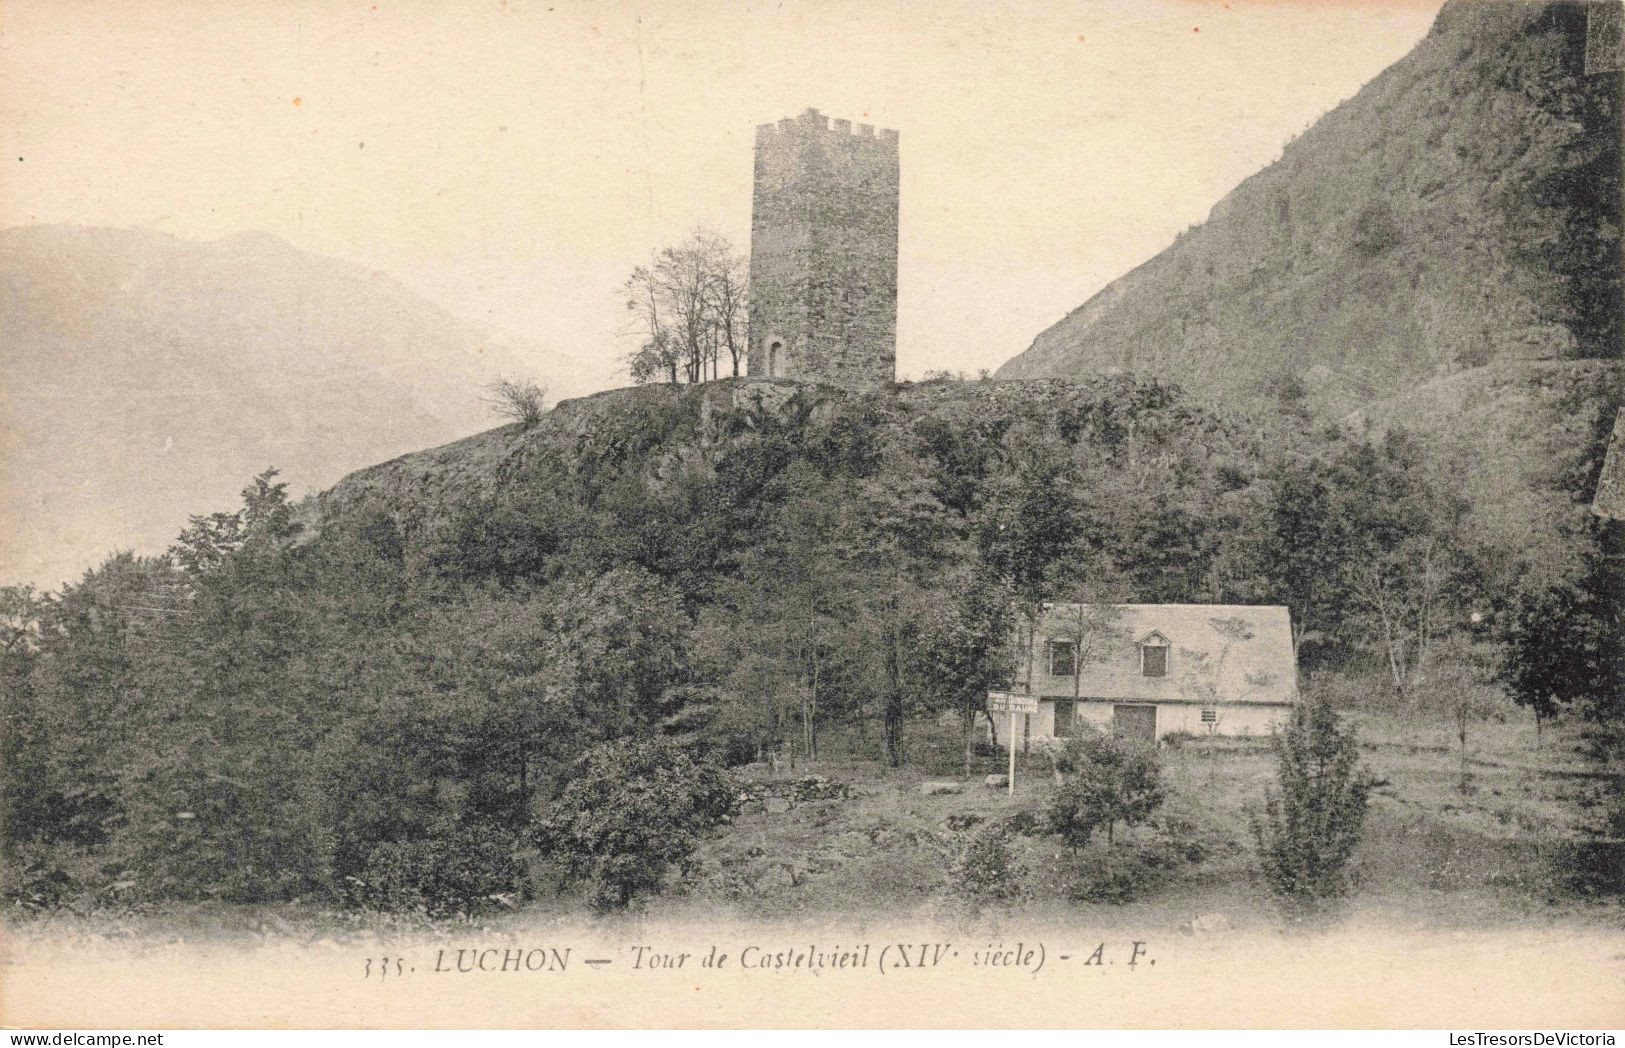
{"x":306,"y":698}
{"x":1400,"y":343}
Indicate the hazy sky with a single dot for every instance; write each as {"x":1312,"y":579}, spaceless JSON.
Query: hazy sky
{"x":513,"y":159}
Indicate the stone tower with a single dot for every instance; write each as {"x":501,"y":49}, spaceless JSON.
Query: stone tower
{"x":823,"y":252}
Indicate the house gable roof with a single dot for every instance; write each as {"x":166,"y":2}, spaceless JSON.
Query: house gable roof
{"x":1236,"y":653}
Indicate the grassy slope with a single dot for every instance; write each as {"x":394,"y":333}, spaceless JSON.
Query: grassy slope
{"x":1434,"y":854}
{"x":1427,"y":226}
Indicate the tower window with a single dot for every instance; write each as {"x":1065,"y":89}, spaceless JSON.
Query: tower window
{"x":1063,"y":658}
{"x":775,"y":358}
{"x":1210,"y":715}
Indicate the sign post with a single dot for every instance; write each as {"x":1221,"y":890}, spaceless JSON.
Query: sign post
{"x":1011,"y":778}
{"x":1004,"y":702}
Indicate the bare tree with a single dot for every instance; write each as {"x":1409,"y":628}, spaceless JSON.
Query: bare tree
{"x":689,"y":306}
{"x":1401,"y":601}
{"x":1092,"y":626}
{"x":683,"y":276}
{"x":657,"y":355}
{"x":521,"y":401}
{"x":730,"y":302}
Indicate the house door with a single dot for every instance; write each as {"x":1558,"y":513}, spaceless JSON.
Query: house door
{"x":1136,"y":724}
{"x":1065,"y":709}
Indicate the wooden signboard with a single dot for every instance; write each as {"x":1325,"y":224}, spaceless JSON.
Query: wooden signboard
{"x":1006,"y":702}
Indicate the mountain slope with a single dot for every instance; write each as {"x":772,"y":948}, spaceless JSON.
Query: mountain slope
{"x":1462,"y":210}
{"x":147,"y":377}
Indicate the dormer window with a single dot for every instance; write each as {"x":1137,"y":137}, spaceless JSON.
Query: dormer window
{"x":1153,"y":655}
{"x":1063,"y":658}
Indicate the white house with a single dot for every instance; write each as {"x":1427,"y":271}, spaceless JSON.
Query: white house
{"x":1142,"y":671}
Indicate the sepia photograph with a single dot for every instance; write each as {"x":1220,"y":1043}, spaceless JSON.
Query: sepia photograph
{"x":1026,"y":514}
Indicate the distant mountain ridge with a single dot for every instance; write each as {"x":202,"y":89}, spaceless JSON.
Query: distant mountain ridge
{"x":1461,"y":210}
{"x":147,"y":377}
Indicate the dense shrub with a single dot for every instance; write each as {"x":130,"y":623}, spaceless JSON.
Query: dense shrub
{"x":1178,"y":842}
{"x":1309,"y":829}
{"x":1593,"y":865}
{"x":38,"y":876}
{"x":1122,"y":874}
{"x":633,"y":810}
{"x":1117,"y":875}
{"x":1594,"y":862}
{"x":1103,"y":782}
{"x":459,"y":871}
{"x":983,"y":868}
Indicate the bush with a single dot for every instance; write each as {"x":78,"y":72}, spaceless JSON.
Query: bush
{"x":982,"y":867}
{"x":1180,"y":842}
{"x":1103,"y":782}
{"x":1308,"y":831}
{"x":1592,"y":865}
{"x":463,"y":871}
{"x":1116,"y":876}
{"x":518,"y":401}
{"x":1594,"y":862}
{"x":38,"y":876}
{"x":632,"y":810}
{"x":1123,"y":874}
